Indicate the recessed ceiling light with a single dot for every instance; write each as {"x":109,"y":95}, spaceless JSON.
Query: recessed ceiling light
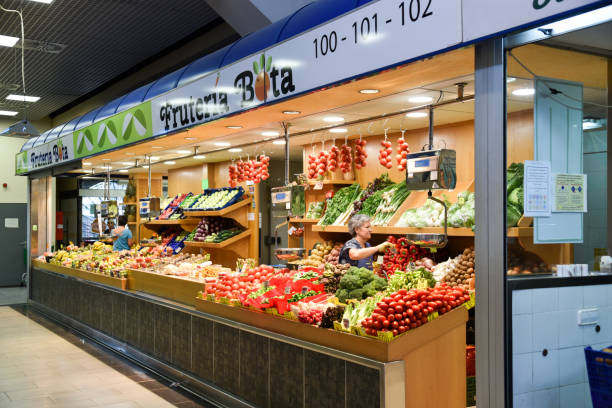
{"x":127,"y":163}
{"x":23,"y":98}
{"x":278,"y":142}
{"x":145,"y":167}
{"x":129,"y":154}
{"x":199,"y":157}
{"x":154,"y":158}
{"x":156,"y":147}
{"x":523,"y":92}
{"x":222,"y":144}
{"x":338,"y":130}
{"x":270,"y":133}
{"x":191,"y":139}
{"x":183,"y":151}
{"x":8,"y":113}
{"x":333,"y":119}
{"x":123,"y":171}
{"x":416,"y":115}
{"x":235,"y":150}
{"x":86,"y":164}
{"x":106,"y":159}
{"x":43,"y":1}
{"x":290,"y":112}
{"x":369,"y":91}
{"x":169,"y":162}
{"x":590,"y":123}
{"x":420,"y":99}
{"x":510,"y":79}
{"x":234,"y":127}
{"x":8,"y":41}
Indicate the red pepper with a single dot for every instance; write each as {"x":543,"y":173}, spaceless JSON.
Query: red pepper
{"x":391,"y":239}
{"x":414,"y":250}
{"x":403,"y":252}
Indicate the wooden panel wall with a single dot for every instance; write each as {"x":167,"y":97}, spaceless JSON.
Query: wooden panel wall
{"x":187,"y":179}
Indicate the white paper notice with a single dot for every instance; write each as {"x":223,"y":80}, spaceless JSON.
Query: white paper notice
{"x":11,"y":223}
{"x":537,"y":200}
{"x":570,"y":192}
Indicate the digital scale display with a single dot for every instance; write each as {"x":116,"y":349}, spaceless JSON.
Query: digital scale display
{"x":421,"y":163}
{"x":280,"y":196}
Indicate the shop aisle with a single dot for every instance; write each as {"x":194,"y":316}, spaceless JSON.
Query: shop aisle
{"x":13,"y":295}
{"x":44,"y":365}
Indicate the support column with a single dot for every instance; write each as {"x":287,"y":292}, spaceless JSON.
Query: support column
{"x":490,"y":241}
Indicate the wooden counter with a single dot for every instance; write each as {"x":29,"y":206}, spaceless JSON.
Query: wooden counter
{"x":120,"y":283}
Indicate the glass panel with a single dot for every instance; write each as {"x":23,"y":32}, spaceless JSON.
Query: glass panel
{"x":557,"y":108}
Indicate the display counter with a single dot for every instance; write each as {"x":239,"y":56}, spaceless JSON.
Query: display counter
{"x":247,"y":358}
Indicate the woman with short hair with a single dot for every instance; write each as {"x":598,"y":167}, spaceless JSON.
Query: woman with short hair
{"x":357,"y":251}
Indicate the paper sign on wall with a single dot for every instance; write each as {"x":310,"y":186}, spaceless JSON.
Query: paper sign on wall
{"x":570,"y":193}
{"x":11,"y":223}
{"x":537,"y":202}
{"x":204,"y":184}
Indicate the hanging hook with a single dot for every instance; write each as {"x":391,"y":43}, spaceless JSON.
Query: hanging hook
{"x":370,"y":127}
{"x":386,"y":130}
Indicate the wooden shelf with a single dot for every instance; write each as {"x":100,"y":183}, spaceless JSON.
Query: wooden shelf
{"x":520,"y":232}
{"x":219,"y":245}
{"x":452,"y":232}
{"x":217,"y":213}
{"x":129,"y":204}
{"x":170,"y":222}
{"x":304,"y":220}
{"x":332,"y":182}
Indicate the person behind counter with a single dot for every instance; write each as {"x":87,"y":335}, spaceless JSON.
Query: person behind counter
{"x":357,"y":251}
{"x":122,"y":235}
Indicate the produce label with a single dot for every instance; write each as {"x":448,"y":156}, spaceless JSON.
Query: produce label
{"x":472,"y":302}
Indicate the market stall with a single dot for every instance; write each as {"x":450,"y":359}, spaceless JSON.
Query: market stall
{"x":195,"y":293}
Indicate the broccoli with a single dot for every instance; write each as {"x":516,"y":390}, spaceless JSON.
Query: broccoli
{"x":350,"y":281}
{"x":342,"y":295}
{"x":370,"y":289}
{"x":379,"y":283}
{"x":357,"y":293}
{"x":365,"y":275}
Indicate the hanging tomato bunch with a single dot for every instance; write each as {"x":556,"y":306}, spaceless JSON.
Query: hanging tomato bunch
{"x":332,"y":159}
{"x":321,"y":163}
{"x":312,"y":166}
{"x":360,"y":153}
{"x":345,"y":158}
{"x":251,"y":170}
{"x":384,"y":154}
{"x":402,"y":153}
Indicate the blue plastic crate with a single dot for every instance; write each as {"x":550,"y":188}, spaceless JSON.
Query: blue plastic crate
{"x":599,"y":368}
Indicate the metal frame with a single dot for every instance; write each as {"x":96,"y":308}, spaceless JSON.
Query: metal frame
{"x":490,"y":237}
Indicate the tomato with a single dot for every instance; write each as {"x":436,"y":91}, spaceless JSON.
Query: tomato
{"x":401,"y":302}
{"x":378,"y":310}
{"x":413,"y":325}
{"x":395,"y":324}
{"x":393,"y":304}
{"x":410,"y":312}
{"x":380,"y":318}
{"x":395,"y":332}
{"x":378,"y":325}
{"x":387,"y":300}
{"x":390,"y":310}
{"x":399,"y":308}
{"x":404,"y":314}
{"x":398,"y":316}
{"x":402,"y":329}
{"x":385,"y":323}
{"x":402,"y":292}
{"x":383,"y":305}
{"x":416,"y":309}
{"x":391,"y":317}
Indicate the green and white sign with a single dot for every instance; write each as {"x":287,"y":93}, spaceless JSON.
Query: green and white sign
{"x":124,"y":128}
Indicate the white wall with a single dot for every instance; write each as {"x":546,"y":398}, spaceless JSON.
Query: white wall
{"x":547,"y":319}
{"x":16,"y":192}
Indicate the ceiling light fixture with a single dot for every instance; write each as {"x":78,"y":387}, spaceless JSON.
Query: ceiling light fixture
{"x":270,"y":133}
{"x":8,"y":41}
{"x":338,"y":130}
{"x":420,"y":99}
{"x":23,"y":98}
{"x":199,"y":157}
{"x":129,"y":154}
{"x":234,"y":127}
{"x":183,"y":151}
{"x":127,"y":163}
{"x":169,"y":162}
{"x":154,"y":158}
{"x":510,"y":79}
{"x":416,"y":115}
{"x":145,"y":167}
{"x":156,"y":147}
{"x":123,"y":171}
{"x":222,"y":144}
{"x":278,"y":142}
{"x":290,"y":112}
{"x":369,"y":91}
{"x":86,"y":164}
{"x":333,"y":119}
{"x":235,"y":150}
{"x":191,"y":139}
{"x":43,"y":1}
{"x":106,"y":159}
{"x":523,"y":92}
{"x":8,"y":113}
{"x":591,"y":123}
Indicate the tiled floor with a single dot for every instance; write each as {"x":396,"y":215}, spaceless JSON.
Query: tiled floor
{"x":44,"y":365}
{"x":13,"y":295}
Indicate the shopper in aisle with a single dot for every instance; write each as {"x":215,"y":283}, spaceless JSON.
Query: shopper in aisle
{"x":357,"y":251}
{"x":122,"y":235}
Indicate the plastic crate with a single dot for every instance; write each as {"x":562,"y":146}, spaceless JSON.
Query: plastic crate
{"x":599,"y":368}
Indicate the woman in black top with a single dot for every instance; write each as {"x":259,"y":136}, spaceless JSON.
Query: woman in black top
{"x":357,"y":251}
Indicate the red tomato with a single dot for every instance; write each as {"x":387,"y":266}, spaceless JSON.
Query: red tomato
{"x":385,"y":323}
{"x":391,"y":317}
{"x":402,"y":329}
{"x":395,"y":332}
